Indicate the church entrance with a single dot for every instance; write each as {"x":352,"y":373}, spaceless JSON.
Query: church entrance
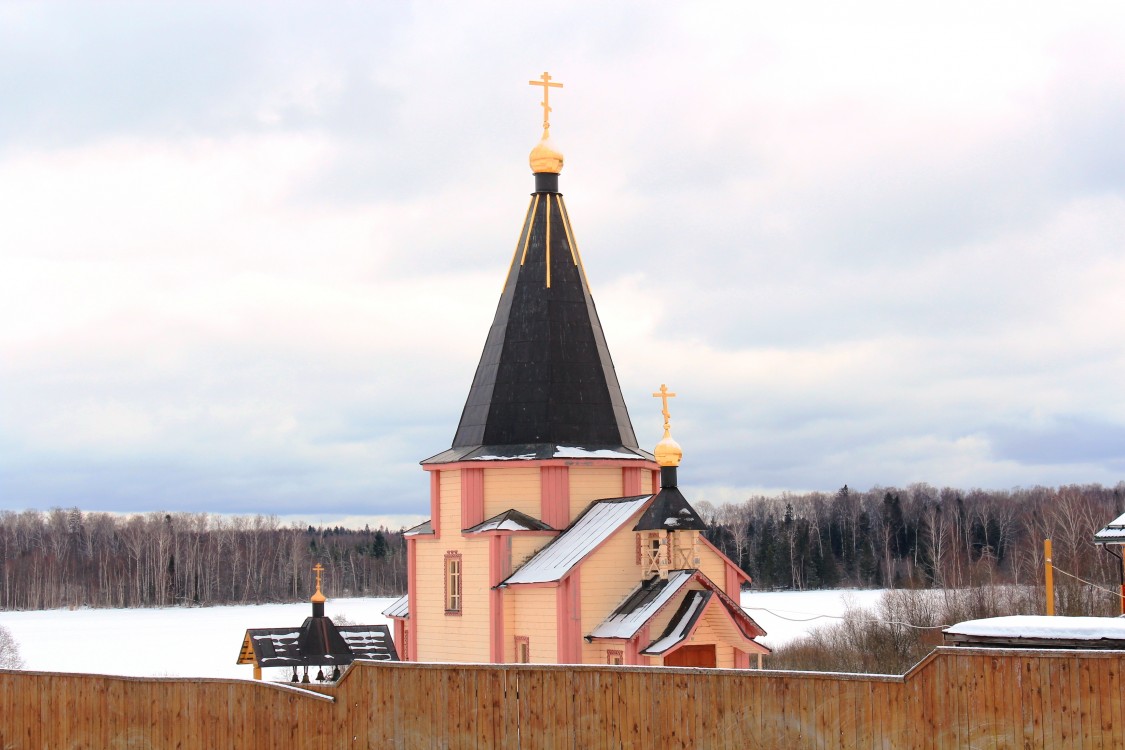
{"x":691,"y":656}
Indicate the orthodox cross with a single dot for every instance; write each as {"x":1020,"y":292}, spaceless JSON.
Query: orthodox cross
{"x":664,"y":395}
{"x":318,"y":569}
{"x":545,"y":82}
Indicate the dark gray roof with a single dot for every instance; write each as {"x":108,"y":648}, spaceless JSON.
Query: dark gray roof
{"x":679,"y":627}
{"x":509,"y":520}
{"x":670,"y":511}
{"x":318,"y":642}
{"x":545,"y":377}
{"x":426,"y":527}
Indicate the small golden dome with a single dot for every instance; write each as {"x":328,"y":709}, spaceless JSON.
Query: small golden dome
{"x":544,"y":158}
{"x":318,"y":598}
{"x":668,"y":452}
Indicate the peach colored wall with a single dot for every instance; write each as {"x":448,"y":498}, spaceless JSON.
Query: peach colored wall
{"x":608,"y":575}
{"x":713,"y":565}
{"x":533,"y":616}
{"x":526,"y":545}
{"x":589,"y":483}
{"x":511,"y":487}
{"x":442,"y":637}
{"x":450,"y":503}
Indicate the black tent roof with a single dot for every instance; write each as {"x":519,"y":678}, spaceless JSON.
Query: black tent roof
{"x":545,"y":378}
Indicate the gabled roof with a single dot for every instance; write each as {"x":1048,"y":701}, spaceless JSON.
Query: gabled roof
{"x":369,"y":642}
{"x":681,"y":624}
{"x":596,"y":524}
{"x":545,"y":378}
{"x":1114,"y":531}
{"x":641,"y":604}
{"x":399,"y":607}
{"x":509,"y":520}
{"x":422,"y":529}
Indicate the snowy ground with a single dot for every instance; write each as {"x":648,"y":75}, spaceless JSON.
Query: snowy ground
{"x":204,"y":642}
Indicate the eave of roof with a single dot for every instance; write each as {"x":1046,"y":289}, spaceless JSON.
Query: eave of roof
{"x":511,"y":520}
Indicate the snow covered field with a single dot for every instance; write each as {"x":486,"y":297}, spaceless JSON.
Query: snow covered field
{"x":204,"y":642}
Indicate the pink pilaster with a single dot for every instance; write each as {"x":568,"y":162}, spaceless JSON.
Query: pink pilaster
{"x":554,"y":489}
{"x":472,"y":497}
{"x":499,"y":555}
{"x":631,"y":481}
{"x":568,"y":604}
{"x":435,"y":502}
{"x":733,"y":583}
{"x":412,"y":597}
{"x":655,"y":481}
{"x":741,"y":659}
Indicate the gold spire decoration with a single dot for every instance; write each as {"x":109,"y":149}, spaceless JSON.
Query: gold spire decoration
{"x":543,"y":157}
{"x":668,"y":451}
{"x":318,"y":598}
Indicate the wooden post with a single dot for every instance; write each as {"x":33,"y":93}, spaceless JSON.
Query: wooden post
{"x":1050,"y":571}
{"x":257,"y":671}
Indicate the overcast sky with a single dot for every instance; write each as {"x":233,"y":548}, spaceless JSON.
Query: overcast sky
{"x":249,"y":253}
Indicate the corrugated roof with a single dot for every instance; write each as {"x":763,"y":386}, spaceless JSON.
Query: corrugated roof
{"x":399,"y":607}
{"x":582,"y":537}
{"x":641,"y":604}
{"x":1112,"y":531}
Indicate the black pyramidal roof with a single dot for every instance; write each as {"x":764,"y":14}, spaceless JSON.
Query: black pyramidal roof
{"x":545,"y":379}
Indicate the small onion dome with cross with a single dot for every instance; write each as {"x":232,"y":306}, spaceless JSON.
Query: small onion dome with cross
{"x":670,"y":510}
{"x":544,"y":158}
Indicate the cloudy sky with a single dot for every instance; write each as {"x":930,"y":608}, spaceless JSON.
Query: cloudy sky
{"x":249,"y":253}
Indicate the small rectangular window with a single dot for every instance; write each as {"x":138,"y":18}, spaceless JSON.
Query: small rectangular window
{"x":453,"y":580}
{"x":615,"y":657}
{"x":523,"y":649}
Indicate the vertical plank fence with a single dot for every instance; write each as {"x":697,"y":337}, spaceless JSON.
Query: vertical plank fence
{"x":955,"y":698}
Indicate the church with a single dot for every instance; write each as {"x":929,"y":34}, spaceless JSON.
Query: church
{"x":553,"y":536}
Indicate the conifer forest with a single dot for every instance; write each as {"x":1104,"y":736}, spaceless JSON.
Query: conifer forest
{"x":913,"y":537}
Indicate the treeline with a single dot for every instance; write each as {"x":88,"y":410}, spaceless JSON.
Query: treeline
{"x":67,"y":558}
{"x":920,"y":536}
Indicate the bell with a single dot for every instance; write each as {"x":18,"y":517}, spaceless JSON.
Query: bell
{"x":305,"y":678}
{"x":320,"y":675}
{"x":335,"y":674}
{"x":295,"y":678}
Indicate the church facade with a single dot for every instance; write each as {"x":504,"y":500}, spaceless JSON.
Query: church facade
{"x":553,"y":537}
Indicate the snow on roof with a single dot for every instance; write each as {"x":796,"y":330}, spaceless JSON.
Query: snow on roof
{"x":681,"y":624}
{"x":564,"y":451}
{"x":399,"y":607}
{"x":369,"y":642}
{"x":583,"y":536}
{"x":641,"y":604}
{"x":426,"y":527}
{"x":1112,"y":531}
{"x":509,"y":520}
{"x":519,"y":457}
{"x":1043,"y":627}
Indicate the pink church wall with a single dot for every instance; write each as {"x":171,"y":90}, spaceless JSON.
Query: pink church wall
{"x":554,"y":491}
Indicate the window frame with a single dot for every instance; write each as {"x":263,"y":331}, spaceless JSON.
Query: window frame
{"x":454,"y":583}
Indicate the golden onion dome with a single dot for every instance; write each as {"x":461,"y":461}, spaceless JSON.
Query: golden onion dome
{"x":668,"y":452}
{"x":545,"y":158}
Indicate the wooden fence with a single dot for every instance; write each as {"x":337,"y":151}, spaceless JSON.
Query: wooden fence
{"x":955,"y":698}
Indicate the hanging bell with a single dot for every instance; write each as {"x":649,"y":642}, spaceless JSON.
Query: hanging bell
{"x":335,"y":673}
{"x":320,"y":675}
{"x":295,"y":678}
{"x":305,"y":678}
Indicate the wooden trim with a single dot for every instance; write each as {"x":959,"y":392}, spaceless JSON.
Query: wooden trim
{"x":499,"y":562}
{"x":554,"y":495}
{"x":435,"y":503}
{"x":472,"y":496}
{"x":631,"y":481}
{"x":525,"y":641}
{"x":412,"y":595}
{"x":614,"y":653}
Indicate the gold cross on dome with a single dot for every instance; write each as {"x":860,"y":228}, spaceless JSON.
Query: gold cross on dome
{"x":664,"y":395}
{"x":318,"y":569}
{"x":545,"y":82}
